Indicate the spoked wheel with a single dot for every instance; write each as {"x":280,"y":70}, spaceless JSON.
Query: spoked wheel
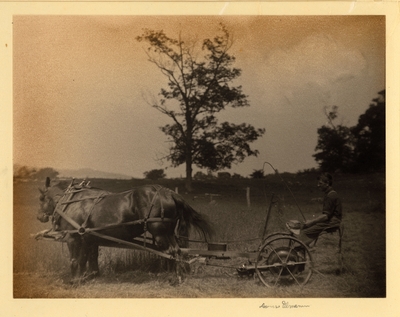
{"x":284,"y":260}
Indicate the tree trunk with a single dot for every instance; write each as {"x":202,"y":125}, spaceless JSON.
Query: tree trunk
{"x":188,"y":182}
{"x":189,"y":161}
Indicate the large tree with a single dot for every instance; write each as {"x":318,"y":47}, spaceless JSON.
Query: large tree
{"x":200,"y":85}
{"x":370,"y":137}
{"x":335,"y":144}
{"x":335,"y":149}
{"x":361,"y":148}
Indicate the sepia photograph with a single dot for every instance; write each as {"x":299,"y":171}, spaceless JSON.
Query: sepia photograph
{"x":202,"y":156}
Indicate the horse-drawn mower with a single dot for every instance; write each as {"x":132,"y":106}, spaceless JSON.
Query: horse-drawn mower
{"x":84,"y":218}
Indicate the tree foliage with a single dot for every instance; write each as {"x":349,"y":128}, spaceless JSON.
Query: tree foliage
{"x":370,"y":141}
{"x":356,"y":149}
{"x":199,"y":87}
{"x":155,"y":174}
{"x":335,"y":148}
{"x":257,"y":174}
{"x":25,"y":172}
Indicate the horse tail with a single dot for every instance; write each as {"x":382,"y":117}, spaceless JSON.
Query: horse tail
{"x":192,"y":219}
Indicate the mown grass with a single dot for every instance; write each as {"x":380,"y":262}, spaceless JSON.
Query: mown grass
{"x":41,"y":268}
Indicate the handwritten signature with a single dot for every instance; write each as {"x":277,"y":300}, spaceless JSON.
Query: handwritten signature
{"x":284,"y":305}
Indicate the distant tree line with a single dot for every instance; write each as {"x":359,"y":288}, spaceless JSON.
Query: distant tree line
{"x":26,"y":172}
{"x":361,"y":148}
{"x":157,"y":174}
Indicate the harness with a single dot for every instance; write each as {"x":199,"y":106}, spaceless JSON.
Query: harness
{"x":82,"y":229}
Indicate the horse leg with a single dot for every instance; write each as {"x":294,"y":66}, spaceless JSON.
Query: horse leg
{"x":170,"y":246}
{"x":89,"y":255}
{"x":175,"y":251}
{"x":164,"y":236}
{"x":93,"y":255}
{"x":178,"y":268}
{"x":83,"y":258}
{"x":74,"y":246}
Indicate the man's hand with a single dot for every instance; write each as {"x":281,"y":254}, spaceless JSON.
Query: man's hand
{"x":308,"y":223}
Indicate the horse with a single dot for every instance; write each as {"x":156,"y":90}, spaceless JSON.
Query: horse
{"x":89,"y":217}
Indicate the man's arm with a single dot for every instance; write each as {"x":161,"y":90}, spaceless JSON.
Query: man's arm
{"x":312,"y":222}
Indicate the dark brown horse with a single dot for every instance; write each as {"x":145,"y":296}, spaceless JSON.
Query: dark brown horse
{"x":87,"y":218}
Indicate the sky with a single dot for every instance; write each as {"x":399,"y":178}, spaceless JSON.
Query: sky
{"x":82,"y":86}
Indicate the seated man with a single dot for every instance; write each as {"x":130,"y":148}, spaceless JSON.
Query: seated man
{"x":331,"y":213}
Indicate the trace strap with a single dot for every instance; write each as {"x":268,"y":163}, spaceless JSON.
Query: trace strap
{"x":65,"y":216}
{"x":147,"y":218}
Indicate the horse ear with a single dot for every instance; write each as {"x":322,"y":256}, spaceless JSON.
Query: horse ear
{"x":47,"y":181}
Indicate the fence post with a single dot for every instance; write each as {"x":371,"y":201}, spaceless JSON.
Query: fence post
{"x":176,"y":190}
{"x":248,"y":197}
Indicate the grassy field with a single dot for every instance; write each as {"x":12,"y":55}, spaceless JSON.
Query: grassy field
{"x":41,"y":268}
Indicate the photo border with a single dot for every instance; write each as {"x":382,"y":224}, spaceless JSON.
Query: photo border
{"x":200,"y":307}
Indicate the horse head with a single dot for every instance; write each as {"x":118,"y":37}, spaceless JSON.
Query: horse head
{"x":49,"y":197}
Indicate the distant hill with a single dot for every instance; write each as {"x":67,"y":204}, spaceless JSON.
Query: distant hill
{"x":90,"y":173}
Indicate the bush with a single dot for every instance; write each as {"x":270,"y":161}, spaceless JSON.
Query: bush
{"x":257,"y":174}
{"x":202,"y":176}
{"x":155,"y":174}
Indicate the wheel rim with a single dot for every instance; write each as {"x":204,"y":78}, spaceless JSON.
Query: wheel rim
{"x":284,"y":260}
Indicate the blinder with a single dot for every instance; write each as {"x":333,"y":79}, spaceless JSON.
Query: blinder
{"x":48,"y":205}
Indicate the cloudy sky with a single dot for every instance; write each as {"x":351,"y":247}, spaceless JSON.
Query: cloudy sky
{"x":81,"y":86}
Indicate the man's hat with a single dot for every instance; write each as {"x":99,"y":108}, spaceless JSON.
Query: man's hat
{"x":326,"y":178}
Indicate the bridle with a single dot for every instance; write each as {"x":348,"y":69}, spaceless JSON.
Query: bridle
{"x":45,"y":198}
